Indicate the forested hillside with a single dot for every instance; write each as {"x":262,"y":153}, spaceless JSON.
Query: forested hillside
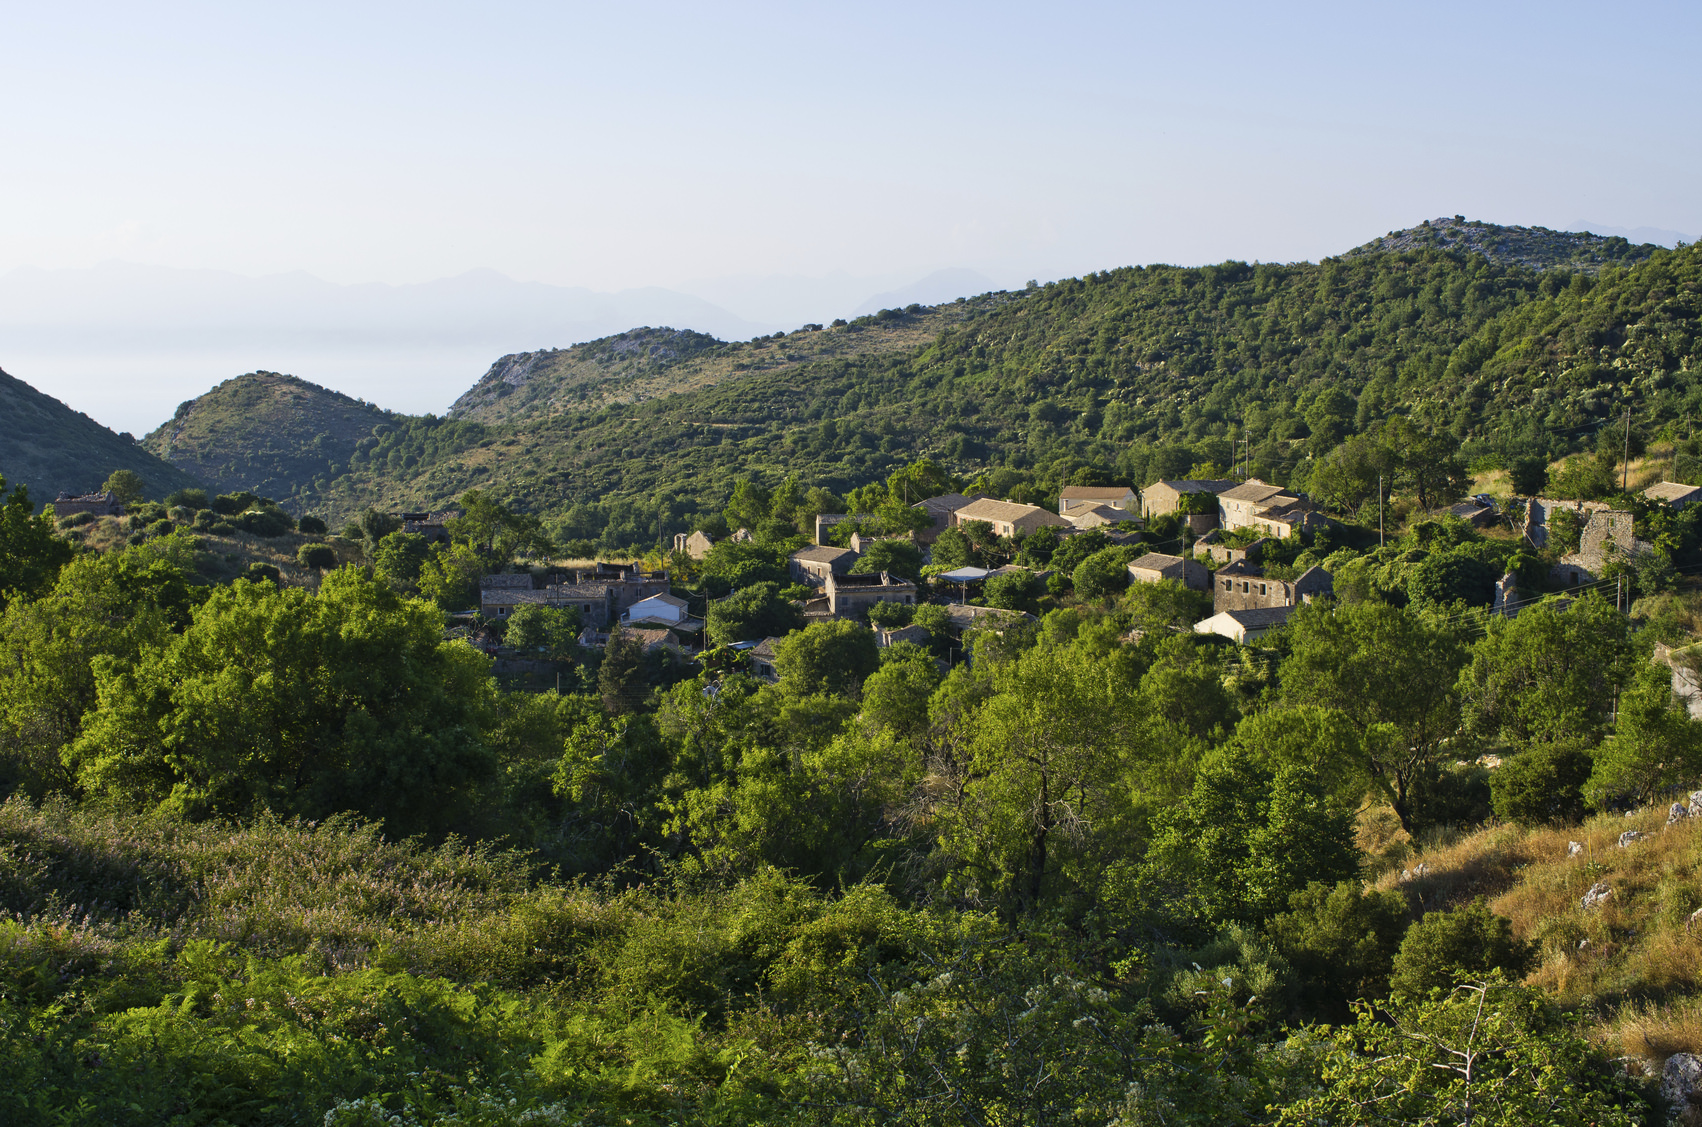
{"x":51,"y":448}
{"x":1537,"y":248}
{"x":277,"y":435}
{"x":1126,"y":374}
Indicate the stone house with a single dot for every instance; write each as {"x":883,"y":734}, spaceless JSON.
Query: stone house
{"x":1093,"y":514}
{"x":1153,"y":567}
{"x":1241,"y":586}
{"x":1284,"y":520}
{"x":1007,"y":517}
{"x":1243,"y":626}
{"x":694,"y":544}
{"x":1222,"y":553}
{"x":1684,"y":662}
{"x":1474,"y":514}
{"x":102,"y":504}
{"x":762,"y":661}
{"x":851,"y":596}
{"x":1235,"y":507}
{"x":1675,"y":494}
{"x":1539,"y":512}
{"x":814,"y":564}
{"x":940,"y":509}
{"x":433,"y":526}
{"x":601,"y":595}
{"x":1609,"y":535}
{"x":824,"y":521}
{"x":1166,"y":496}
{"x":1112,"y":496}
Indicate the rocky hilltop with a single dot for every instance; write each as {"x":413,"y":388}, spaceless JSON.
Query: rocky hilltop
{"x":1535,"y":248}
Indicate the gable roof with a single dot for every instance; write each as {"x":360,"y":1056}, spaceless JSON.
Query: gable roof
{"x":1252,"y":491}
{"x":948,"y":502}
{"x":1155,"y":561}
{"x":988,"y":509}
{"x":1094,"y":492}
{"x":666,"y":600}
{"x":1672,"y":491}
{"x":821,"y":553}
{"x":1257,"y":617}
{"x":1196,"y":485}
{"x":1318,"y":571}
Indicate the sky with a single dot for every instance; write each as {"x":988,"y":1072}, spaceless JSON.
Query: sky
{"x":764,"y":157}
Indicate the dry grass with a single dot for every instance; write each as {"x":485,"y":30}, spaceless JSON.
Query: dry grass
{"x":1634,"y":961}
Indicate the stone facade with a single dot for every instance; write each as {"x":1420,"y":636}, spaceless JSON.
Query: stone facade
{"x":814,"y":565}
{"x":1007,"y":517}
{"x":851,"y":596}
{"x":1240,"y":586}
{"x":102,"y":504}
{"x":1608,"y":536}
{"x":1165,"y":496}
{"x":694,"y":544}
{"x":1153,"y":567}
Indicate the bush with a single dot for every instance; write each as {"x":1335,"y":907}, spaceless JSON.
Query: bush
{"x":891,"y":615}
{"x":320,"y":557}
{"x":188,"y":498}
{"x":1341,"y":942}
{"x":1444,"y":946}
{"x":1543,"y":785}
{"x":311,"y":526}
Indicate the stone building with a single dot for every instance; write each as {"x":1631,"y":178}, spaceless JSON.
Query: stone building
{"x":1112,"y":496}
{"x":694,"y":544}
{"x":851,"y":596}
{"x":1007,"y":517}
{"x":1241,"y":586}
{"x":1153,"y":567}
{"x":1166,"y":496}
{"x":814,"y":564}
{"x":1609,"y":535}
{"x":102,"y":504}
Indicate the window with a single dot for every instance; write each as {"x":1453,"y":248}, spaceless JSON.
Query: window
{"x":1229,"y":584}
{"x":1262,"y":589}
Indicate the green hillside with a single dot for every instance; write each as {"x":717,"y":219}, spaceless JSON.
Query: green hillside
{"x":273,"y":434}
{"x":51,"y":448}
{"x":1131,"y":374}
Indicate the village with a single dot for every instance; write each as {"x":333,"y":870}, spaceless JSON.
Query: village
{"x":1223,"y":532}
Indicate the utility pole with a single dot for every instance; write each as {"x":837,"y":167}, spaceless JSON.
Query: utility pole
{"x":1379,"y":510}
{"x":1625,"y":476}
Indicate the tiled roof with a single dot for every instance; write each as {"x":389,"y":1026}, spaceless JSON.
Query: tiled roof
{"x":1192,"y":485}
{"x":1671,"y":491}
{"x":1094,"y":492}
{"x":948,"y":502}
{"x":1261,"y":616}
{"x":1252,"y":491}
{"x":821,"y":553}
{"x":1155,"y":561}
{"x":990,"y":510}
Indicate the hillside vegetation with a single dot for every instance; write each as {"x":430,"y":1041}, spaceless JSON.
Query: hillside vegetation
{"x":1536,"y":248}
{"x":276,"y":435}
{"x":52,"y":449}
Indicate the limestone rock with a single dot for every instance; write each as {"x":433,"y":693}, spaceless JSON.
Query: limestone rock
{"x":1573,"y":848}
{"x":1681,"y":1085}
{"x":1676,"y":811}
{"x":1630,"y":836}
{"x":1598,"y":893}
{"x":1696,"y":804}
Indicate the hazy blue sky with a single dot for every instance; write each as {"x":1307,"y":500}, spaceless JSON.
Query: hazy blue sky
{"x":617,"y":145}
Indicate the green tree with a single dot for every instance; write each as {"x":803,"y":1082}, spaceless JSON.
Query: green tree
{"x":126,"y":487}
{"x":1444,"y":946}
{"x":1103,"y":574}
{"x":1246,"y":839}
{"x":622,"y":680}
{"x":1655,"y":745}
{"x":1549,"y":674}
{"x":450,"y":578}
{"x":952,"y":549}
{"x":103,"y":607}
{"x":751,"y":614}
{"x":896,"y":695}
{"x":1542,"y":785}
{"x":348,"y":699}
{"x":30,"y":554}
{"x":1037,"y":799}
{"x":533,"y":626}
{"x":1487,"y":1053}
{"x":1391,"y":674}
{"x":899,"y":558}
{"x":1341,"y":940}
{"x":826,"y":657}
{"x":399,"y":559}
{"x":319,"y":557}
{"x":1015,"y":590}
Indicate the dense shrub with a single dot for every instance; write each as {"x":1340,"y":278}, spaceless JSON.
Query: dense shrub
{"x":1542,"y":785}
{"x":1444,"y":946}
